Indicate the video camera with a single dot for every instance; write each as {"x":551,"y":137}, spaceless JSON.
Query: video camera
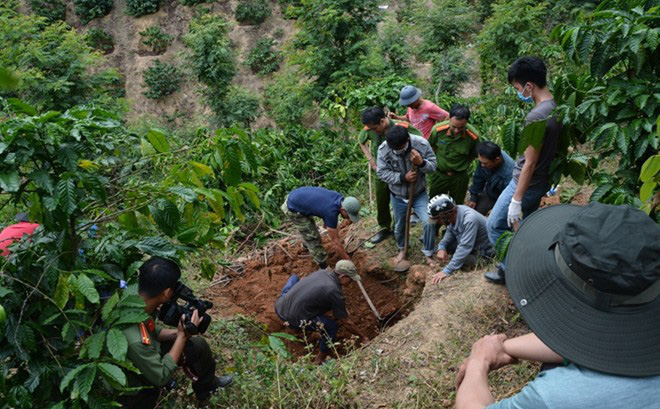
{"x":171,"y":312}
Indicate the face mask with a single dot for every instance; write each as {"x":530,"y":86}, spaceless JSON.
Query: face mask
{"x":400,"y":152}
{"x":523,"y":97}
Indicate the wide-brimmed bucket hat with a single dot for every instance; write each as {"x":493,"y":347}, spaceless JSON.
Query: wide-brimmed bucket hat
{"x":587,"y":282}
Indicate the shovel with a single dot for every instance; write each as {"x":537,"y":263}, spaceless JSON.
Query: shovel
{"x":404,"y":264}
{"x":366,"y":297}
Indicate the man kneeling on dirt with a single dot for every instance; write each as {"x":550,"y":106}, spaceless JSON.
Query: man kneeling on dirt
{"x":308,"y":201}
{"x":157,"y":352}
{"x":587,"y":282}
{"x":304,"y":303}
{"x":466,"y":236}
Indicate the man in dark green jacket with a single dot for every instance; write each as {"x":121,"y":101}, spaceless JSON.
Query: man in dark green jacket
{"x":375,"y":125}
{"x":157,"y":352}
{"x":455,"y":145}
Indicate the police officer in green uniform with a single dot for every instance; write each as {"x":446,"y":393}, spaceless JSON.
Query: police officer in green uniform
{"x":157,"y":352}
{"x":375,"y":125}
{"x":455,"y":145}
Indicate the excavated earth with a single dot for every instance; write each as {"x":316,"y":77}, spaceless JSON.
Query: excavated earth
{"x":258,"y":280}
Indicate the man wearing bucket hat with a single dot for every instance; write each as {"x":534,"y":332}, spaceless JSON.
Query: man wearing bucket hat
{"x":302,"y":305}
{"x":587,"y":282}
{"x":302,"y":204}
{"x":421,"y":113}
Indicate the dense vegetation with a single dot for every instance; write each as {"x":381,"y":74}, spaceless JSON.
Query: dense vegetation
{"x":107,"y":192}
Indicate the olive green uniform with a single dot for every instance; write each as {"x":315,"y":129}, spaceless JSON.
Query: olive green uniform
{"x":156,"y":367}
{"x":455,"y":155}
{"x":384,"y":216}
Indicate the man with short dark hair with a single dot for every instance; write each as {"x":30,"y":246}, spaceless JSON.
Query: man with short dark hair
{"x":157,"y":352}
{"x":491,"y":177}
{"x":531,"y":173}
{"x":302,"y":305}
{"x":403,"y":161}
{"x":302,"y":204}
{"x":454,"y":143}
{"x":421,"y":113}
{"x":375,"y":125}
{"x":587,"y":282}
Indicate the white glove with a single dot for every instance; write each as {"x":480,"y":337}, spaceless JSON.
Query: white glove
{"x":515,"y":212}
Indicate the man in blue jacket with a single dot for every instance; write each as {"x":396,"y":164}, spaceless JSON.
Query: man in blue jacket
{"x":491,"y":177}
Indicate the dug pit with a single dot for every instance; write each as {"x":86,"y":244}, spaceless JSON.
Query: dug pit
{"x":257,"y":283}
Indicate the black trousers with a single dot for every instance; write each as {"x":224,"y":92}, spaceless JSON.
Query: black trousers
{"x":197,"y":357}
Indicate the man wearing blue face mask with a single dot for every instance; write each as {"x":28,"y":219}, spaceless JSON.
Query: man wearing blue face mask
{"x":531,"y":173}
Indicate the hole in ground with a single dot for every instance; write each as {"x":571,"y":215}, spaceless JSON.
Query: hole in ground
{"x":254,"y":291}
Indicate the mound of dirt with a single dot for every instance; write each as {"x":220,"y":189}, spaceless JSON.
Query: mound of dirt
{"x":253,"y":293}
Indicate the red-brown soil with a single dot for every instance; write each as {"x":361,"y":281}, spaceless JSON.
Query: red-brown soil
{"x":253,"y":293}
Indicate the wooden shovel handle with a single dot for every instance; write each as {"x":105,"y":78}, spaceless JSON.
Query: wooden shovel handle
{"x":411,"y":196}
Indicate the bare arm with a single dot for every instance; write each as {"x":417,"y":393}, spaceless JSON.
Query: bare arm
{"x":530,"y":348}
{"x":367,"y":154}
{"x":531,"y":159}
{"x":167,"y":335}
{"x":334,"y":236}
{"x":393,"y":115}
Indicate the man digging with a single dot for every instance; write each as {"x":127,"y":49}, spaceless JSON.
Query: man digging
{"x":302,"y":204}
{"x":302,"y":305}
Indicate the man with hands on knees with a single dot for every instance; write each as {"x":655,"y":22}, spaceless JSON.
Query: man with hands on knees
{"x":157,"y":352}
{"x":587,"y":282}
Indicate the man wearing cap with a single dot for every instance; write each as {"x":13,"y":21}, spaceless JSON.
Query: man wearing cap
{"x":14,"y":232}
{"x":421,"y":113}
{"x":531,"y":173}
{"x":302,"y":305}
{"x":466,"y":238}
{"x":375,"y":125}
{"x":403,"y":162}
{"x":455,"y":145}
{"x":302,"y":204}
{"x":157,"y":352}
{"x":491,"y":177}
{"x":587,"y":282}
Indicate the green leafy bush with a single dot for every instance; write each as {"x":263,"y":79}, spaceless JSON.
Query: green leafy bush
{"x":449,"y":70}
{"x":53,"y":61}
{"x":51,"y":10}
{"x":88,"y":10}
{"x":240,"y":107}
{"x":515,"y":28}
{"x":333,"y":38}
{"x":252,"y":11}
{"x":161,"y":79}
{"x":157,"y":39}
{"x":262,"y":59}
{"x":288,"y":100}
{"x":100,"y":40}
{"x":394,"y":46}
{"x":139,"y":8}
{"x":445,"y":25}
{"x":194,"y":2}
{"x":211,"y":57}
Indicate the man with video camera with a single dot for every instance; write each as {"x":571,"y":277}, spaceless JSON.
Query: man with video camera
{"x":157,"y":352}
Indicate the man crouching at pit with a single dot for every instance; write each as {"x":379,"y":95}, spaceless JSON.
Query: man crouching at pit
{"x":303,"y":304}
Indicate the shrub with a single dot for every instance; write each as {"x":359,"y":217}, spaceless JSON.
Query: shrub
{"x":288,"y":100}
{"x":193,"y":2}
{"x":162,"y":79}
{"x":262,"y":59}
{"x":157,"y":39}
{"x":139,"y":8}
{"x":88,"y":10}
{"x":445,"y":25}
{"x":449,"y":70}
{"x":239,"y":107}
{"x":395,"y":47}
{"x":51,"y":10}
{"x":54,"y":62}
{"x":252,"y":11}
{"x":100,"y":40}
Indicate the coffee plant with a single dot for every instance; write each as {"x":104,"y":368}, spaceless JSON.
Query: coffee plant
{"x":161,"y":79}
{"x":263,"y":59}
{"x":51,"y":10}
{"x":100,"y":40}
{"x":139,"y":8}
{"x":155,"y":38}
{"x":252,"y":12}
{"x":88,"y":10}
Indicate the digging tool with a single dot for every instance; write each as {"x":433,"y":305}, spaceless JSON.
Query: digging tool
{"x":360,"y":244}
{"x":404,"y":264}
{"x":366,"y":297}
